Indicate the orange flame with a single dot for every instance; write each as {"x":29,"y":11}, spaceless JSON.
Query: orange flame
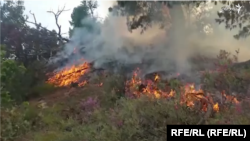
{"x":69,"y":75}
{"x":188,"y":94}
{"x":216,"y":107}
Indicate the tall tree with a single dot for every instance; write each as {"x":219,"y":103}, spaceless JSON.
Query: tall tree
{"x":84,"y":10}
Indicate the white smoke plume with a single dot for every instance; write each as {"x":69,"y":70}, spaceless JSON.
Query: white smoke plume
{"x":111,"y":40}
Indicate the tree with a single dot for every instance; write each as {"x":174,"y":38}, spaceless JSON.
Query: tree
{"x":24,"y":42}
{"x":84,"y":10}
{"x":145,"y":13}
{"x":233,"y":19}
{"x":14,"y":10}
{"x":12,"y":23}
{"x":26,"y":50}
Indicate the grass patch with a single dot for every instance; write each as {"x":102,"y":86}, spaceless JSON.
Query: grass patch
{"x":104,"y":110}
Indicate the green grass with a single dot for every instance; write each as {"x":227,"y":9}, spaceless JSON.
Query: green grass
{"x":95,"y":113}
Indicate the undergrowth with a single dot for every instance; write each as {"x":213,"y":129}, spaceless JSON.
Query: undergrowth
{"x":104,"y":112}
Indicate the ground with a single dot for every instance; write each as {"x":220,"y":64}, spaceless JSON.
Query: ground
{"x":111,"y":107}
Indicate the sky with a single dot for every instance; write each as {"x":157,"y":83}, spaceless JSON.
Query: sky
{"x":40,"y":8}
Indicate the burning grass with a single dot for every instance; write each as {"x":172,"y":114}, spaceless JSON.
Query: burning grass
{"x":70,"y":75}
{"x":113,"y":108}
{"x":98,"y":114}
{"x":187,"y":95}
{"x":157,"y":88}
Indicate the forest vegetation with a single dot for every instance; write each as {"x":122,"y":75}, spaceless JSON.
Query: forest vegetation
{"x":148,"y":64}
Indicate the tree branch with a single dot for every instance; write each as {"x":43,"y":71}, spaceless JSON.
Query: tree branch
{"x":33,"y":16}
{"x":36,"y":24}
{"x":59,"y":38}
{"x":92,"y":5}
{"x":56,"y":16}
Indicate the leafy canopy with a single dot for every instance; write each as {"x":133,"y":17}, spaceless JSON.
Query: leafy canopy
{"x":84,"y":10}
{"x":147,"y":12}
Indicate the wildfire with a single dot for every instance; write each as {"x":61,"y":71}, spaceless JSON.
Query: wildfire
{"x":157,"y":77}
{"x":216,"y":107}
{"x":70,"y":75}
{"x":189,"y":96}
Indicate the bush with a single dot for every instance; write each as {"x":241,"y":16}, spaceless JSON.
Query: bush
{"x":226,"y":77}
{"x":41,"y":89}
{"x":17,"y":120}
{"x":19,"y":83}
{"x":13,"y":78}
{"x":133,"y":119}
{"x":107,"y":112}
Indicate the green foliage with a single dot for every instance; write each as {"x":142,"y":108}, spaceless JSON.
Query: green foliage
{"x":99,"y":113}
{"x":6,"y":100}
{"x":84,"y":10}
{"x":129,"y":119}
{"x":36,"y":75}
{"x":152,"y":12}
{"x":12,"y":78}
{"x":175,"y":84}
{"x":102,"y":113}
{"x":41,"y":90}
{"x":16,"y":8}
{"x":226,"y":77}
{"x":18,"y":120}
{"x":19,"y":83}
{"x":39,"y":42}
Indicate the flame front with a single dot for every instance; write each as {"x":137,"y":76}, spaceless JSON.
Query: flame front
{"x":70,"y":75}
{"x":189,"y":96}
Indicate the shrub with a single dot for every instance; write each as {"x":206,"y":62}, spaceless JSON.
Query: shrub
{"x":20,"y":83}
{"x":12,"y":78}
{"x":17,"y":120}
{"x":41,"y":89}
{"x":104,"y":112}
{"x":226,"y":77}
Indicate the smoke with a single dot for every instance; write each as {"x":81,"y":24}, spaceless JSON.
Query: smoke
{"x":161,"y":50}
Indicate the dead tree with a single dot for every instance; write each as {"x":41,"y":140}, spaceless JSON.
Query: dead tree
{"x":56,"y":15}
{"x":60,"y":38}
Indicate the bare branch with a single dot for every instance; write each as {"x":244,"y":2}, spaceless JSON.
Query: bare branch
{"x":38,"y":25}
{"x":33,"y":16}
{"x":59,"y":38}
{"x":56,"y":16}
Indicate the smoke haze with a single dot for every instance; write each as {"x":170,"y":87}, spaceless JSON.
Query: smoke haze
{"x":167,"y":51}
